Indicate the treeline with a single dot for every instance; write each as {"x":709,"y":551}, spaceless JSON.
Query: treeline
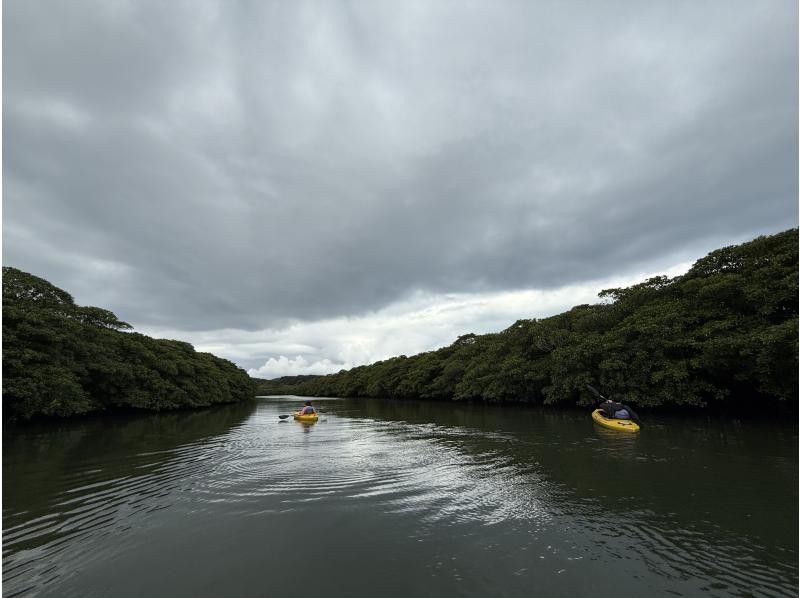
{"x":61,"y":359}
{"x":727,"y":330}
{"x":285,"y":380}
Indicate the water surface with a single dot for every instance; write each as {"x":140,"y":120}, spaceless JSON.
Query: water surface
{"x":384,"y":498}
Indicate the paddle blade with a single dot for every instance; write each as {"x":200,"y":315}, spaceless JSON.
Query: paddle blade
{"x":283,"y":416}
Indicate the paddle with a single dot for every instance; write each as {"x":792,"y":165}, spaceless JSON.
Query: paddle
{"x":595,"y":391}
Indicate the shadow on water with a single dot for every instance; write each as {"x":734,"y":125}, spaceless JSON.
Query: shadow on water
{"x":68,"y":479}
{"x":120,"y":446}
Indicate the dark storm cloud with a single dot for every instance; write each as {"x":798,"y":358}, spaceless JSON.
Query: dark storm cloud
{"x":203,"y":165}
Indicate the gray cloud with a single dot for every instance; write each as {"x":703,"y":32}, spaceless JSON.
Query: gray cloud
{"x":201,"y":165}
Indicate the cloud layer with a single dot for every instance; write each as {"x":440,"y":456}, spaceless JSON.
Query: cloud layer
{"x":212,"y":165}
{"x":419,"y":323}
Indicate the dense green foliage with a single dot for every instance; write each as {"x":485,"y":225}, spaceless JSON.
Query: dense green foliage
{"x":727,"y":329}
{"x":60,"y":359}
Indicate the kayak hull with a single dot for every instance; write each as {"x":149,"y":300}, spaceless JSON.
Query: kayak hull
{"x":305,"y":418}
{"x":622,"y":425}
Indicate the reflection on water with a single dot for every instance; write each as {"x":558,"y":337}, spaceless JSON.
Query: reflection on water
{"x":397,"y":499}
{"x":67,"y":485}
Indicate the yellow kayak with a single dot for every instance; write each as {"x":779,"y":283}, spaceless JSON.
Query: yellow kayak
{"x":309,"y":418}
{"x":624,"y":425}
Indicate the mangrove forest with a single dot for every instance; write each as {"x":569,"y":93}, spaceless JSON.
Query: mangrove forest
{"x":62,"y":359}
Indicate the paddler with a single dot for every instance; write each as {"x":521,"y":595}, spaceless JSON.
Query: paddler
{"x":615,"y":410}
{"x":308,"y":409}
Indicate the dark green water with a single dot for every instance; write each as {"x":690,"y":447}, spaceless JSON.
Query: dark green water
{"x":398,"y":499}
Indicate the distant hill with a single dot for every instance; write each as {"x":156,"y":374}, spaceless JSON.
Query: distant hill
{"x":61,"y":359}
{"x":264,"y":387}
{"x":724,"y":332}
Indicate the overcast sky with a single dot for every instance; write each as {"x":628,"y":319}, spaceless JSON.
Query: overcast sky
{"x":301,"y":187}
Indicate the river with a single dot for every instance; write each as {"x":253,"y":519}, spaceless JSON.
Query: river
{"x":384,"y":498}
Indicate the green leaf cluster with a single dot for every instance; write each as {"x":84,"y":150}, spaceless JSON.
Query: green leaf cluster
{"x":61,"y":359}
{"x":726,"y":329}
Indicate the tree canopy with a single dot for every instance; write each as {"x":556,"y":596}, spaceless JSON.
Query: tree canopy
{"x":61,"y":359}
{"x":726,"y":330}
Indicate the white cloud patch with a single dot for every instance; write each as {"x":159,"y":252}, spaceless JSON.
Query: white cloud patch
{"x":421,"y":322}
{"x":284,"y":366}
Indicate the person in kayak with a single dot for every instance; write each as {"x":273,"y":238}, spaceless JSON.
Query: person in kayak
{"x":308,"y":409}
{"x":615,"y":410}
